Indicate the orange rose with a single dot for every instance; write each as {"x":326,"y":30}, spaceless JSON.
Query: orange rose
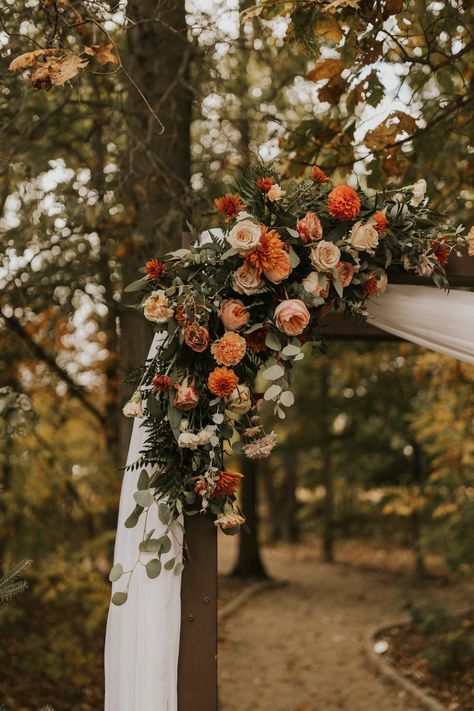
{"x":291,"y":317}
{"x":230,"y":349}
{"x":281,"y":269}
{"x":233,"y":314}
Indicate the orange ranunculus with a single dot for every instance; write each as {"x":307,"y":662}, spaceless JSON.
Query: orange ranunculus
{"x":267,"y":254}
{"x":230,"y":349}
{"x":380,"y":221}
{"x":226,"y":485}
{"x":264,"y":184}
{"x":230,"y":205}
{"x":222,"y":381}
{"x":319,"y":175}
{"x":343,"y":202}
{"x":154,"y":268}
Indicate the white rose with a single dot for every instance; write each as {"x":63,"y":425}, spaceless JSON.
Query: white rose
{"x":419,"y":192}
{"x":188,"y":440}
{"x":133,"y":408}
{"x":275,"y":193}
{"x":364,"y":237}
{"x":325,"y":256}
{"x":245,"y":235}
{"x":156,"y":307}
{"x":245,"y":281}
{"x":204,"y":436}
{"x":239,"y":401}
{"x":316,"y":284}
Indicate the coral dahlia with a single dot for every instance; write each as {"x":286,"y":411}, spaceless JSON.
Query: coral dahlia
{"x":222,"y":381}
{"x":343,"y":202}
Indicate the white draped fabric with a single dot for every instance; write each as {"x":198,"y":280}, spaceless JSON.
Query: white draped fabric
{"x":432,"y":318}
{"x":142,"y":644}
{"x":142,"y":641}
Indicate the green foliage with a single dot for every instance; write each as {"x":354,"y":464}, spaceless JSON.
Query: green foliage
{"x":11,"y":583}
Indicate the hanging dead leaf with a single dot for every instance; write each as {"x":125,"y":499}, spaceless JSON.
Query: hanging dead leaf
{"x":386,"y":133}
{"x":332,"y":91}
{"x":56,"y":71}
{"x":328,"y":27}
{"x":102,"y":52}
{"x":39,"y":77}
{"x":326,"y":69}
{"x":336,"y":5}
{"x":28,"y":59}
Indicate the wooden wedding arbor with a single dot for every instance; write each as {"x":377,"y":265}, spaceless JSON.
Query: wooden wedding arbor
{"x":197,"y":671}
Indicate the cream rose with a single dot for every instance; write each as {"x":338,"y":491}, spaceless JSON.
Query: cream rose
{"x":291,"y":317}
{"x":245,"y":281}
{"x":233,"y":314}
{"x":382,"y":281}
{"x":419,"y":192}
{"x":325,"y":256}
{"x":156,"y":307}
{"x":275,"y":193}
{"x":470,"y":242}
{"x":239,"y":401}
{"x":364,"y":237}
{"x":133,"y":408}
{"x":188,"y":440}
{"x":245,"y":235}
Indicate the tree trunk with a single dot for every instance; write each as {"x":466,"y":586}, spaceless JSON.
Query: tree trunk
{"x":327,"y":474}
{"x":249,"y":563}
{"x":158,"y":163}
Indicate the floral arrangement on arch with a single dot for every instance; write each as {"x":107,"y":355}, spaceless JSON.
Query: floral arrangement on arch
{"x":252,"y":299}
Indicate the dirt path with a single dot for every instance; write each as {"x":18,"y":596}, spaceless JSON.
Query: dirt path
{"x":299,"y":648}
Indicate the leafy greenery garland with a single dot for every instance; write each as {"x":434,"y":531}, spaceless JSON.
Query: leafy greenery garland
{"x":190,"y":429}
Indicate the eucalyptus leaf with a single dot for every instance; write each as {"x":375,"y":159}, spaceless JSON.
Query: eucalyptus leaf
{"x":178,"y":569}
{"x":274,"y":372}
{"x":169,"y":565}
{"x":290,"y":350}
{"x":218,"y":418}
{"x":272,"y":341}
{"x":136,"y":285}
{"x":152,"y":545}
{"x":143,"y":482}
{"x":164,"y":513}
{"x":153,"y":568}
{"x":165,"y":543}
{"x":287,"y":398}
{"x":116,"y":572}
{"x":132,"y":520}
{"x":143,"y":498}
{"x":272,"y":392}
{"x":119,"y":598}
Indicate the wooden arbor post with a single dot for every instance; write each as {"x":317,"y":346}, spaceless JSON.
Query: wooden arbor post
{"x":197,"y":672}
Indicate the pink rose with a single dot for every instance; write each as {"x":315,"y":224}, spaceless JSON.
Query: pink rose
{"x":346,"y":272}
{"x":291,"y":317}
{"x":187,"y":396}
{"x":233,"y":314}
{"x":310,"y":228}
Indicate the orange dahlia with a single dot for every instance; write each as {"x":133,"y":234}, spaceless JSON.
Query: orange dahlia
{"x":343,"y":202}
{"x":264,"y":184}
{"x":227,"y":484}
{"x":319,"y":175}
{"x":229,"y":204}
{"x":267,"y":254}
{"x":380,"y":221}
{"x":230,"y":349}
{"x":154,"y":268}
{"x":222,"y":381}
{"x":162,"y":383}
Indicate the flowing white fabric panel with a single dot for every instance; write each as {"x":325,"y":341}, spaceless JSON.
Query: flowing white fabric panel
{"x":428,"y":316}
{"x":142,"y":640}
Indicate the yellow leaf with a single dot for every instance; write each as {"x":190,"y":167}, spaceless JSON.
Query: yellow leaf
{"x":326,"y":69}
{"x":328,"y":27}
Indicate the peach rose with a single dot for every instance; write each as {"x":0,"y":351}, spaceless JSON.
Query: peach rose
{"x":291,"y":317}
{"x":230,"y":349}
{"x":246,"y":281}
{"x":470,"y":242}
{"x":156,"y":307}
{"x":275,"y":193}
{"x":346,"y":272}
{"x":317,"y":284}
{"x":233,"y":314}
{"x":239,"y":401}
{"x":244,"y":236}
{"x":364,"y":237}
{"x":310,"y":228}
{"x":187,"y":396}
{"x":281,"y":271}
{"x":325,"y":256}
{"x":133,"y":408}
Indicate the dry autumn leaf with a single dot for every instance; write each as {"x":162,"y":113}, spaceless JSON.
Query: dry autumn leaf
{"x":326,"y":69}
{"x":56,"y":71}
{"x":385,"y":134}
{"x":328,"y":27}
{"x":28,"y":59}
{"x":102,"y":52}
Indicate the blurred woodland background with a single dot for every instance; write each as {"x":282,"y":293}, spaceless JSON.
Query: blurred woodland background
{"x":104,"y":171}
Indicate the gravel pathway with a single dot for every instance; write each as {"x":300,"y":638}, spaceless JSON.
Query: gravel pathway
{"x":299,"y":647}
